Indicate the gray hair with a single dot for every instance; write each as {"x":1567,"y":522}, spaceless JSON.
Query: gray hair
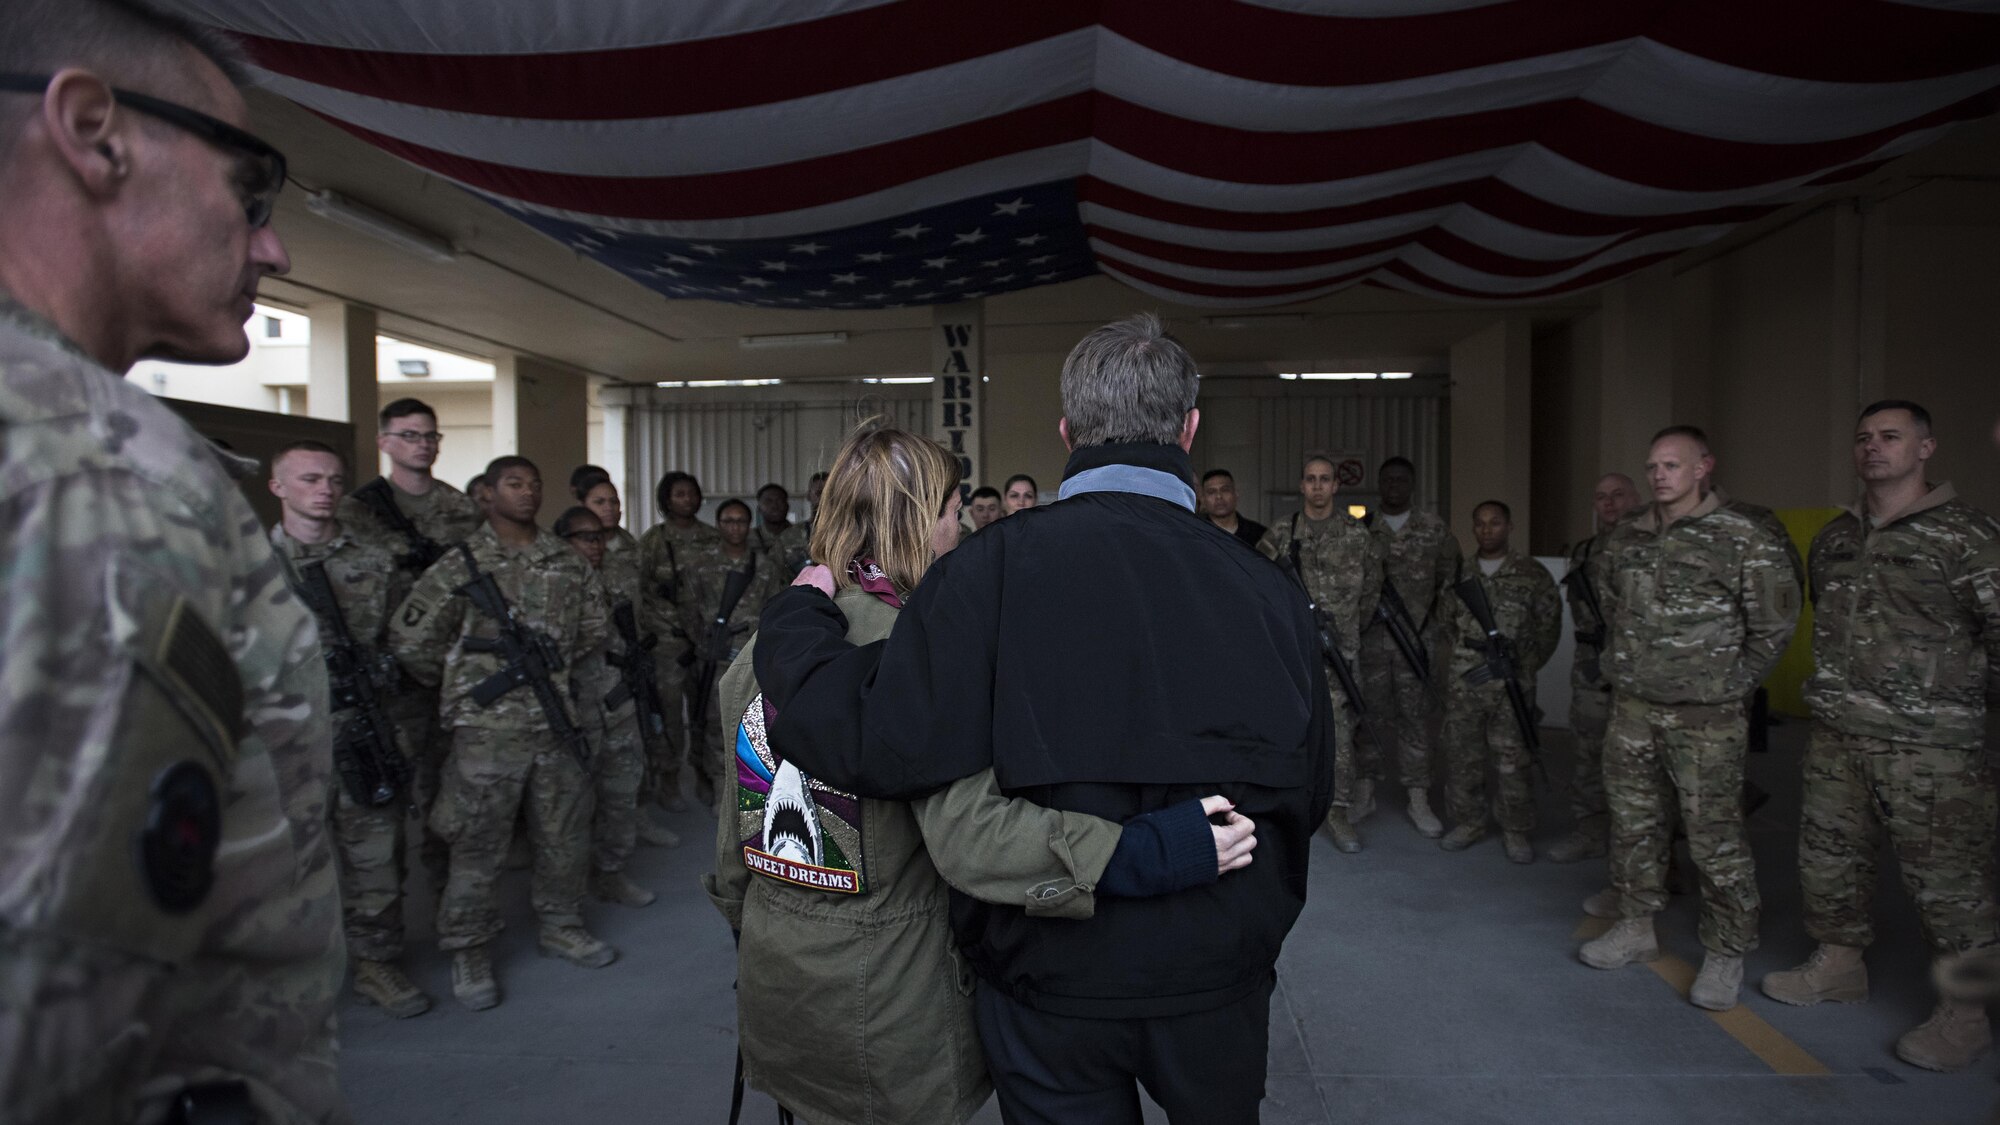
{"x":119,"y":39}
{"x":1128,"y":381}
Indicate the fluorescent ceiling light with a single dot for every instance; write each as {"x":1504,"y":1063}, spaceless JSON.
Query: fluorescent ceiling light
{"x":1252,"y":320}
{"x":1399,"y":374}
{"x":793,"y":340}
{"x":719,"y":383}
{"x":339,"y":209}
{"x":900,"y":379}
{"x":1343,"y":375}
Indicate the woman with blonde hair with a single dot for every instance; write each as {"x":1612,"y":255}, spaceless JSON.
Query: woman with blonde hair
{"x":852,"y":1004}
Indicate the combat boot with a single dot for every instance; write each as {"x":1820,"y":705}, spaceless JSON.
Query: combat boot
{"x":614,"y":887}
{"x":472,"y":978}
{"x":1341,"y":830}
{"x":1578,"y":845}
{"x":1363,"y":805}
{"x":1422,"y":816}
{"x":1519,"y":850}
{"x":576,"y":945}
{"x":1462,"y":837}
{"x":1628,"y":942}
{"x":1603,"y":904}
{"x":1833,"y":972}
{"x":1718,"y":984}
{"x":657,"y":835}
{"x":1956,"y":1034}
{"x":384,"y":985}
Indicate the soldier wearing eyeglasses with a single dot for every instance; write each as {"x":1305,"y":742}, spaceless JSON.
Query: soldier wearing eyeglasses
{"x":169,"y":921}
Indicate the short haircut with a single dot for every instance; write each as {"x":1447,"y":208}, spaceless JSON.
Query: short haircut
{"x":1506,"y":513}
{"x":566,"y":522}
{"x":305,"y":445}
{"x":733,"y":502}
{"x":1128,"y":381}
{"x":511,"y":461}
{"x":1213,"y":473}
{"x":1694,"y":434}
{"x":1323,"y":458}
{"x":1918,"y":414}
{"x":583,"y":478}
{"x":986,"y":492}
{"x":818,"y":478}
{"x":403,"y":408}
{"x":1398,"y":462}
{"x":475,"y":484}
{"x":774,"y":486}
{"x":1017,"y":478}
{"x":667,"y":483}
{"x":119,"y":39}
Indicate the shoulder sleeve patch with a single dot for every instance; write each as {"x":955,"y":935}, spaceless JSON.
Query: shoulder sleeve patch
{"x":192,"y":659}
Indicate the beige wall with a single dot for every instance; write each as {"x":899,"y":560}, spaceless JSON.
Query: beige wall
{"x":539,"y":412}
{"x":1023,"y":402}
{"x":1491,"y":424}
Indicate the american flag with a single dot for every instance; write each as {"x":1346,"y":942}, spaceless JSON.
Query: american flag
{"x":1227,"y":153}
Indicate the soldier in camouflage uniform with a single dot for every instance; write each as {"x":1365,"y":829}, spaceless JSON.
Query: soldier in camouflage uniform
{"x":436,"y":516}
{"x":169,"y":915}
{"x":1701,"y":603}
{"x":507,"y":752}
{"x":1479,"y":721}
{"x":593,"y":489}
{"x":774,"y":518}
{"x":1421,"y":557}
{"x":664,"y":552}
{"x":308,"y":479}
{"x":707,"y":574}
{"x":1906,"y":648}
{"x":794,"y":546}
{"x":612,"y":716}
{"x":1341,"y":567}
{"x":1589,"y":692}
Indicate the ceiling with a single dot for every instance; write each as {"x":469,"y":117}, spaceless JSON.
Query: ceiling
{"x":1831,"y":106}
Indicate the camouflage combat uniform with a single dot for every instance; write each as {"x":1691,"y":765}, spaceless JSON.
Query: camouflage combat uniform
{"x":154,"y":666}
{"x":705,"y":572}
{"x":368,"y":840}
{"x":621,"y":746}
{"x":1422,"y":560}
{"x":663,"y":555}
{"x":1341,"y":566}
{"x":1589,"y":694}
{"x":1479,"y":723}
{"x":447,"y":517}
{"x":506,"y":752}
{"x":1906,"y":642}
{"x":1700,"y":611}
{"x":794,"y":546}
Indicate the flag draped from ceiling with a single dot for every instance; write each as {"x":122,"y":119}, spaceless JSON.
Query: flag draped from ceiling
{"x":1226,"y":153}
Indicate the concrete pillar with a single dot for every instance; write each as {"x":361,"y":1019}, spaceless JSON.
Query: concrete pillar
{"x":615,"y":462}
{"x":1636,"y":398}
{"x":1491,"y":426}
{"x":958,"y":393}
{"x":341,"y":377}
{"x":541,"y":411}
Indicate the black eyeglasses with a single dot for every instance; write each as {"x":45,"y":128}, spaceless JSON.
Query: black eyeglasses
{"x":260,"y":173}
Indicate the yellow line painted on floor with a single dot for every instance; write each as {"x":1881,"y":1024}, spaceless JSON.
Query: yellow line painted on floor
{"x":1743,"y":1025}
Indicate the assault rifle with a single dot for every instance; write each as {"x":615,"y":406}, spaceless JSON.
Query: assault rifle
{"x":364,"y":748}
{"x":711,"y":649}
{"x":638,"y":676}
{"x":530,"y":657}
{"x":1578,"y":579}
{"x":1500,"y":665}
{"x":424,"y":550}
{"x":1330,"y":648}
{"x":1395,"y":617}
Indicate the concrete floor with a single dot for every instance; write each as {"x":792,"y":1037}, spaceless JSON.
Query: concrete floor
{"x":1418,"y":987}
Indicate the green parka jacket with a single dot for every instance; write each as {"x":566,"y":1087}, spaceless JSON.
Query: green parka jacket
{"x":855,"y":1007}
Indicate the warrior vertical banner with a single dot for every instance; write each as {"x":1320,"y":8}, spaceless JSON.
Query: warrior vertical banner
{"x":958,"y":392}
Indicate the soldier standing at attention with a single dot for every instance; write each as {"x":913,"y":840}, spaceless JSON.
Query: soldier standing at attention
{"x":620,"y":759}
{"x":1906,"y":647}
{"x":1479,"y":720}
{"x":308,"y":478}
{"x":169,"y":917}
{"x":720,"y":628}
{"x":476,"y":491}
{"x":416,"y":517}
{"x":664,"y":552}
{"x":509,"y":749}
{"x":774,"y":516}
{"x":1421,"y":557}
{"x":1340,"y":565}
{"x":984,"y":507}
{"x":793,"y":548}
{"x":1700,"y":602}
{"x":1589,"y":692}
{"x":1218,"y":503}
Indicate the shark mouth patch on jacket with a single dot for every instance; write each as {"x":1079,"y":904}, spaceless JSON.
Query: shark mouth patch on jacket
{"x":791,"y":820}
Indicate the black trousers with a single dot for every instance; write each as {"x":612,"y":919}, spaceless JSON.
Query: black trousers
{"x":1203,"y":1069}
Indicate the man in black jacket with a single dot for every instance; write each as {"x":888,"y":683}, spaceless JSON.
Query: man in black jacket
{"x":1115,"y":654}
